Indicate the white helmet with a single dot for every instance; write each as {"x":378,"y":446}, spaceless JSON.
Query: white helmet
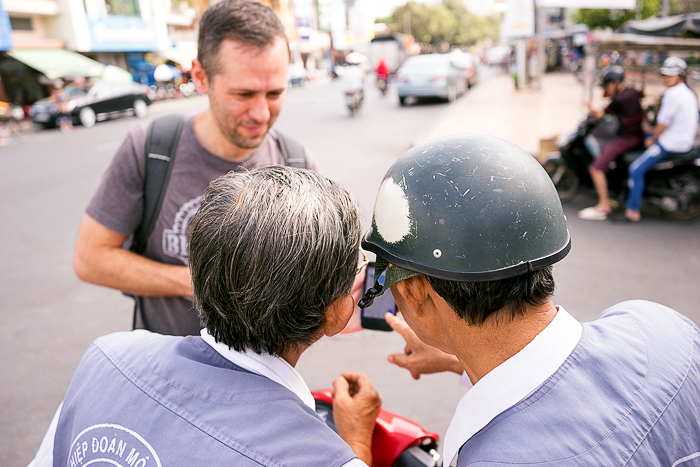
{"x":674,"y":66}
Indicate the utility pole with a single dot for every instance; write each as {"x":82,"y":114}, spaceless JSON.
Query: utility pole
{"x":640,"y":9}
{"x":664,"y":9}
{"x":407,"y":22}
{"x":541,"y":55}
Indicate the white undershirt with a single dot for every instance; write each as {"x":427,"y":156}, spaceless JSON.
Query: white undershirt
{"x":512,"y":381}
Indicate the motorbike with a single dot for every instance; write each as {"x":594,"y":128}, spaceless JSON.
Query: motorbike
{"x":672,"y":185}
{"x":396,"y":442}
{"x":353,"y":100}
{"x":383,"y":86}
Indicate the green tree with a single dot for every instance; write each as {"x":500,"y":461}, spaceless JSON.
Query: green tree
{"x":448,"y":22}
{"x":614,"y":19}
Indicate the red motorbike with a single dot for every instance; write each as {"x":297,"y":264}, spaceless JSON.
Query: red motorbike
{"x":397,"y":441}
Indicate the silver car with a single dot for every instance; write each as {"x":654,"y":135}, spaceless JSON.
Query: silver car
{"x":431,"y":75}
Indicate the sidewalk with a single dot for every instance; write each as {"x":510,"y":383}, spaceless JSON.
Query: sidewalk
{"x":495,"y":107}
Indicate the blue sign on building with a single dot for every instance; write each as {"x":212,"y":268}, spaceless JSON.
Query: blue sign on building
{"x":122,"y":34}
{"x":5,"y":29}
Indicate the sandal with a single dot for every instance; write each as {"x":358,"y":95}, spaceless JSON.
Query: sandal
{"x":592,"y":214}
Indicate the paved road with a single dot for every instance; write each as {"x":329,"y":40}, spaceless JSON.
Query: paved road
{"x":48,"y":317}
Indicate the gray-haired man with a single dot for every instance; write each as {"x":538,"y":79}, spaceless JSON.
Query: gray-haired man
{"x":274,"y":253}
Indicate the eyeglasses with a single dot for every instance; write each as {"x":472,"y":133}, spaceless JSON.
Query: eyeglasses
{"x":362,"y":261}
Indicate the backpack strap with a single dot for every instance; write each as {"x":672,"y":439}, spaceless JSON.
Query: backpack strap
{"x":293,"y":152}
{"x":161,"y":145}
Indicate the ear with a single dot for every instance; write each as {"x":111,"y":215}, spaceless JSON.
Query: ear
{"x":415,"y":292}
{"x":338,"y":314}
{"x":199,"y":76}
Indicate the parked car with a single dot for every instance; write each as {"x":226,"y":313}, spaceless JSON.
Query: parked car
{"x":431,"y":75}
{"x":91,"y":102}
{"x":468,"y":63}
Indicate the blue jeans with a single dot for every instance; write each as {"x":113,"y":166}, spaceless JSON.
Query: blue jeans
{"x":654,"y":153}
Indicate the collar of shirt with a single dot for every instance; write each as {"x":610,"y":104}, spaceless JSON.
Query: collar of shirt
{"x":272,"y":367}
{"x":512,"y":380}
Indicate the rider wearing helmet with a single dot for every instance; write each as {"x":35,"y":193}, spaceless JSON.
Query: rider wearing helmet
{"x":625,"y":105}
{"x":467,"y":228}
{"x":354,"y":74}
{"x":676,"y":127}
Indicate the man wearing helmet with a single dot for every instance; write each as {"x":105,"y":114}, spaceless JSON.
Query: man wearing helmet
{"x":625,"y":105}
{"x":467,"y":228}
{"x":676,"y":127}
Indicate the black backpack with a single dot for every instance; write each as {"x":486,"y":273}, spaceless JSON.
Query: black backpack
{"x":161,"y":146}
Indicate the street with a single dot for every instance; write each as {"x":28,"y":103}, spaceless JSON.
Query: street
{"x":48,"y":317}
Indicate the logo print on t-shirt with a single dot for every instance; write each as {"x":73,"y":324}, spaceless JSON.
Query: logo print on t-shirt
{"x":175,"y":238}
{"x":110,"y":444}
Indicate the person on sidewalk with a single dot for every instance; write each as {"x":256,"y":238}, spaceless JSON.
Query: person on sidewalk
{"x":468,"y":228}
{"x":242,"y":67}
{"x":63,"y":115}
{"x":625,"y":105}
{"x":274,"y":253}
{"x":675,"y":131}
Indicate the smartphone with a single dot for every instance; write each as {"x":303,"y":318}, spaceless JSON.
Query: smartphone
{"x":372,"y":317}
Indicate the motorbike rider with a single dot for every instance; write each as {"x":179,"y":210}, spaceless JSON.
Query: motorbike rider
{"x":354,"y":74}
{"x":675,"y":131}
{"x":467,"y":228}
{"x":625,"y":105}
{"x":382,"y":71}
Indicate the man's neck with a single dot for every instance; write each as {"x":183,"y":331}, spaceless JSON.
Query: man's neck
{"x":482,"y":348}
{"x":209,"y":135}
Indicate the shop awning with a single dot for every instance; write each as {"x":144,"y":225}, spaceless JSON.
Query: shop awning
{"x":639,"y":43}
{"x":687,"y":25}
{"x":58,"y":63}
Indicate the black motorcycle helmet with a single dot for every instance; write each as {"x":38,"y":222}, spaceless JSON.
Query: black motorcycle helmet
{"x":465,"y":208}
{"x":612,"y":74}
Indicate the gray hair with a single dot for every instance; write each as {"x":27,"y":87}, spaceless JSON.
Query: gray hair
{"x":246,"y":21}
{"x":270,"y":250}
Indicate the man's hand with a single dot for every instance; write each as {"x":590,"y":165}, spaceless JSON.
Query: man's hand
{"x":658,"y":129}
{"x":100,"y":259}
{"x":420,"y":358}
{"x":355,"y":408}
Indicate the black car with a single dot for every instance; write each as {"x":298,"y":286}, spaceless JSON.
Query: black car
{"x":95,"y":101}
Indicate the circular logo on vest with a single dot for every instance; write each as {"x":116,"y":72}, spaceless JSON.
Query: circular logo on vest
{"x":109,"y":444}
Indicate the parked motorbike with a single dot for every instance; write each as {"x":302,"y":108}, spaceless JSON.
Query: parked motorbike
{"x":672,"y":185}
{"x":396,"y":442}
{"x":353,"y":100}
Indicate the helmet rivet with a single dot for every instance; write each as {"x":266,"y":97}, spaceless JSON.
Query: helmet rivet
{"x":437,"y":253}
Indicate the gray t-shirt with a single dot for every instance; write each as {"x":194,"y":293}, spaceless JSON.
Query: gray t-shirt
{"x":118,"y":205}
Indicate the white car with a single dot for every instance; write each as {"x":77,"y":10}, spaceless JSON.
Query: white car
{"x":431,"y":75}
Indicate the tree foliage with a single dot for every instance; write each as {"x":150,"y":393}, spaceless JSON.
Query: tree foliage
{"x":448,"y":22}
{"x":596,"y":18}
